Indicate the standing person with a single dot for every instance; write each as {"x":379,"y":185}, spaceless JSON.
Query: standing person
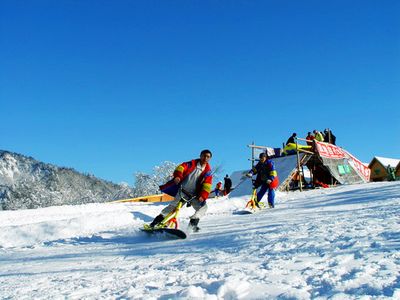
{"x":227,"y":185}
{"x":391,"y":173}
{"x":195,"y":177}
{"x":309,"y":138}
{"x":318,"y":136}
{"x":292,"y":139}
{"x":267,"y":178}
{"x":329,"y":137}
{"x":218,"y":189}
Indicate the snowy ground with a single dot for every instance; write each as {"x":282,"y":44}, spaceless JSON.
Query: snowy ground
{"x":339,"y":243}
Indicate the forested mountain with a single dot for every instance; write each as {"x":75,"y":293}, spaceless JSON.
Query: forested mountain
{"x":28,"y":183}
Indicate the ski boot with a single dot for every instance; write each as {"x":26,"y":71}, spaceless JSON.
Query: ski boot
{"x":193,"y":225}
{"x":155,"y":222}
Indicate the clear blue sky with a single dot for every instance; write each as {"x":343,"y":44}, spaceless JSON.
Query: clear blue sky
{"x":115,"y":87}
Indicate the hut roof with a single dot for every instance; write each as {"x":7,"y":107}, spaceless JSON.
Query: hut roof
{"x":386,"y":161}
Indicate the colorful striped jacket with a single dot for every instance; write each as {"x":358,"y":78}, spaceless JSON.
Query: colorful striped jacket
{"x":265,"y":171}
{"x":204,"y":182}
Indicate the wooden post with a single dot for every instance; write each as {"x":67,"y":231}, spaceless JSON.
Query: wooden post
{"x":298,"y":166}
{"x":329,"y":141}
{"x":312,"y":175}
{"x":329,"y":136}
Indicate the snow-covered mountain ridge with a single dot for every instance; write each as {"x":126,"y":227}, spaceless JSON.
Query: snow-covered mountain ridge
{"x":28,"y":183}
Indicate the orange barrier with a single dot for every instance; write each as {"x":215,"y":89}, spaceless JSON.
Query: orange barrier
{"x":151,"y":198}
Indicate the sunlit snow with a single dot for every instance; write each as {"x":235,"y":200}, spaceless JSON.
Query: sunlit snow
{"x":338,"y":243}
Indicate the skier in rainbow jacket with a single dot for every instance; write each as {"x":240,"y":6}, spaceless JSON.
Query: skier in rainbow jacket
{"x":267,"y":178}
{"x":195,"y":177}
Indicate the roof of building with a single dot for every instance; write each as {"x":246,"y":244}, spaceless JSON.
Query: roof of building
{"x":387,"y":161}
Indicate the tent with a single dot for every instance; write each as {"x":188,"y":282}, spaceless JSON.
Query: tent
{"x":328,"y":164}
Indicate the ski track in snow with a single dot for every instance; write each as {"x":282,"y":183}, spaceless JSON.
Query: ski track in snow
{"x":339,"y":243}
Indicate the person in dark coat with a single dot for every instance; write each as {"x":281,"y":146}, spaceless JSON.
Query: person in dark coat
{"x":227,"y":185}
{"x":292,"y":139}
{"x":267,"y":178}
{"x":329,"y":137}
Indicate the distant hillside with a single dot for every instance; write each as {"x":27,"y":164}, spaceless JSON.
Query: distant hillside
{"x":28,"y":183}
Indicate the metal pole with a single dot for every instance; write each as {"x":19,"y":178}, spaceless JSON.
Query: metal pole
{"x":252,"y":155}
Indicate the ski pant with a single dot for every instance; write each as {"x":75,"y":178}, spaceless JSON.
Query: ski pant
{"x":271,"y":194}
{"x":199,"y":207}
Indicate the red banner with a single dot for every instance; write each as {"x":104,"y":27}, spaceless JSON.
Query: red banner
{"x":332,"y":151}
{"x":362,"y":169}
{"x":329,"y":150}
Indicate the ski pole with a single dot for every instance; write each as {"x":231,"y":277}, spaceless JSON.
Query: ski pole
{"x":243,"y":179}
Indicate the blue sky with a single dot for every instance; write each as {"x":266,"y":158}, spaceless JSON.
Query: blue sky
{"x":111,"y":88}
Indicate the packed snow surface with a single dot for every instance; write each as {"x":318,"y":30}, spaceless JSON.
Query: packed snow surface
{"x":338,"y":243}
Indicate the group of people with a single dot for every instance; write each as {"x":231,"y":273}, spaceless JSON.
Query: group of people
{"x":326,"y":136}
{"x":195,"y":177}
{"x":223,"y":190}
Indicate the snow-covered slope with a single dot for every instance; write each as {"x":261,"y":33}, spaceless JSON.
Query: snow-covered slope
{"x":339,"y":243}
{"x":28,"y":183}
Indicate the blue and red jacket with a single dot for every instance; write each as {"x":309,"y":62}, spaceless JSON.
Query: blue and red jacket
{"x":265,"y":171}
{"x":204,"y":183}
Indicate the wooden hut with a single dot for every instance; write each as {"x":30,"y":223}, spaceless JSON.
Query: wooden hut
{"x":397,"y":172}
{"x":379,"y":167}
